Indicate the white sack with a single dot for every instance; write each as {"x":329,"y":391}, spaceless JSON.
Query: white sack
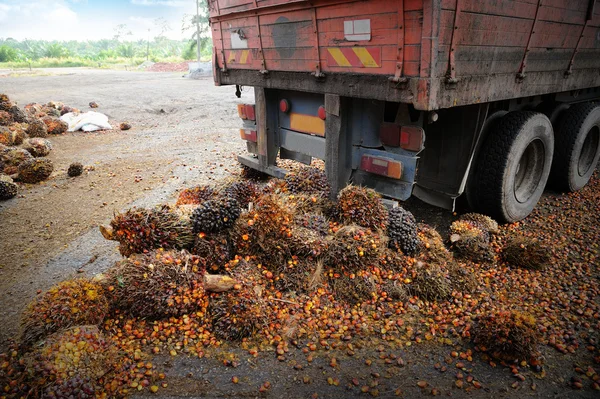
{"x":88,"y":121}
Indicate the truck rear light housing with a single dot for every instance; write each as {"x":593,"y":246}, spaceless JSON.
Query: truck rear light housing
{"x":409,"y":138}
{"x":381,"y":166}
{"x":321,"y":113}
{"x":284,"y":106}
{"x":248,"y":135}
{"x":246,"y":112}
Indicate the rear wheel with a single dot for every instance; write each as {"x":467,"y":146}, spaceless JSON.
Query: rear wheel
{"x":577,"y":147}
{"x":513,"y":166}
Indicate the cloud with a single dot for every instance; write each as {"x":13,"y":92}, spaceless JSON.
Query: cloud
{"x":167,"y":3}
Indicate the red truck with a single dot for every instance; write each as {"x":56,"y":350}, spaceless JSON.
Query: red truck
{"x":433,"y":98}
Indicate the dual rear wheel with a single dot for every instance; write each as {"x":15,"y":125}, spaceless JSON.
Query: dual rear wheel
{"x":521,"y":153}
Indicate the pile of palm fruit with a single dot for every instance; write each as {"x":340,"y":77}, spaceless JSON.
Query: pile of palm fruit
{"x":242,"y":261}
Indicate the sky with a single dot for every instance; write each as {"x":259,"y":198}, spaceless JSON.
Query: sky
{"x":90,"y":19}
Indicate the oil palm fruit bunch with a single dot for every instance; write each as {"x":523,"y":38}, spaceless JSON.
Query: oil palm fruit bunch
{"x":55,"y":125}
{"x":313,"y":221}
{"x":508,"y":335}
{"x":17,"y":114}
{"x":157,"y":285}
{"x":215,"y":215}
{"x":353,"y":288}
{"x":526,"y":252}
{"x":8,"y":189}
{"x":6,"y":119}
{"x":216,"y":249}
{"x":362,"y":206}
{"x":244,"y":192}
{"x":5,"y":103}
{"x":142,"y":230}
{"x":67,"y":304}
{"x":483,"y":221}
{"x":252,"y":174}
{"x":353,"y":248}
{"x":471,"y":240}
{"x":36,"y":128}
{"x":124,"y":126}
{"x":308,"y":181}
{"x":12,"y":136}
{"x":38,"y":147}
{"x":196,"y":195}
{"x":75,"y":169}
{"x":74,"y":363}
{"x":402,"y":231}
{"x":35,"y":170}
{"x":296,"y":275}
{"x":237,"y":314}
{"x":429,"y":282}
{"x":431,"y":244}
{"x":51,"y":111}
{"x":11,"y":158}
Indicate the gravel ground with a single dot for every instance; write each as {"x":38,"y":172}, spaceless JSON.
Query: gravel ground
{"x":185,"y":132}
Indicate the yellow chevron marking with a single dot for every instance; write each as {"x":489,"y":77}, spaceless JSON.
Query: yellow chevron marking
{"x":365,"y":57}
{"x":244,"y":57}
{"x":231,"y":57}
{"x":339,"y":58}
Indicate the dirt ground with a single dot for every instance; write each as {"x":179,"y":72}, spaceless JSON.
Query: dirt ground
{"x":185,"y":132}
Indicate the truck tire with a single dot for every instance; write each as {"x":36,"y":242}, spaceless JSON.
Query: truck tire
{"x":513,"y":166}
{"x":577,"y":147}
{"x":553,"y":110}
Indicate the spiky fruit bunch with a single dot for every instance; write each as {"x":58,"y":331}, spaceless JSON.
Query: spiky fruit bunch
{"x":402,"y":231}
{"x":36,"y":128}
{"x":470,"y":240}
{"x":216,"y":250}
{"x":50,"y":111}
{"x":6,"y":119}
{"x":526,"y":252}
{"x":308,"y":181}
{"x":462,"y":279}
{"x":17,"y":114}
{"x":67,"y":304}
{"x":313,"y":221}
{"x":508,"y":335}
{"x":38,"y":147}
{"x":35,"y":170}
{"x":429,"y":282}
{"x":157,"y":285}
{"x":237,"y":314}
{"x":75,"y":169}
{"x":8,"y":189}
{"x":5,"y":103}
{"x":75,"y":363}
{"x":353,"y":288}
{"x":483,"y":221}
{"x":252,"y":174}
{"x":13,"y":157}
{"x":244,"y":192}
{"x":353,"y":248}
{"x":431,"y":244}
{"x":12,"y":136}
{"x":124,"y":126}
{"x":216,"y":215}
{"x":55,"y":125}
{"x":196,"y":195}
{"x":66,"y":109}
{"x":362,"y":206}
{"x":142,"y":230}
{"x":298,"y":275}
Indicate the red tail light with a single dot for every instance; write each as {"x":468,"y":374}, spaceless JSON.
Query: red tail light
{"x":249,"y":135}
{"x":410,"y":138}
{"x":246,"y":112}
{"x":284,"y":106}
{"x":381,"y":166}
{"x":321,"y":113}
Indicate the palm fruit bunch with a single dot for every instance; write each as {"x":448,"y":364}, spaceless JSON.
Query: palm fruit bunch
{"x":196,"y":195}
{"x":431,"y":244}
{"x":353,"y":288}
{"x":11,"y":158}
{"x":307,"y":181}
{"x":35,"y":170}
{"x":526,"y":252}
{"x":508,"y":335}
{"x":36,"y":128}
{"x":55,"y":125}
{"x":77,"y":363}
{"x":237,"y":314}
{"x":216,"y":250}
{"x":142,"y":230}
{"x":66,"y":109}
{"x":244,"y":192}
{"x":8,"y":189}
{"x":252,"y":174}
{"x":313,"y":221}
{"x":429,"y":281}
{"x":393,"y":289}
{"x":51,"y":110}
{"x":12,"y":136}
{"x":362,"y":206}
{"x":462,"y":279}
{"x":353,"y":248}
{"x":19,"y":133}
{"x":157,"y":285}
{"x":70,"y":303}
{"x":470,"y":240}
{"x":215,"y":215}
{"x":5,"y":103}
{"x":124,"y":126}
{"x":38,"y":147}
{"x":402,"y":231}
{"x":18,"y":115}
{"x":75,"y":169}
{"x":6,"y":119}
{"x":295,"y":276}
{"x":483,"y":221}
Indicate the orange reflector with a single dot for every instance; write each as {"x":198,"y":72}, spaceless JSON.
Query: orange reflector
{"x":381,"y":166}
{"x":307,"y":124}
{"x":412,"y":138}
{"x":249,"y":135}
{"x":242,"y":111}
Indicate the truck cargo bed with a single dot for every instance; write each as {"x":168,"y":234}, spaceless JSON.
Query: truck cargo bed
{"x":434,"y":54}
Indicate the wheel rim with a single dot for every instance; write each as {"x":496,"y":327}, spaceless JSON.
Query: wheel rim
{"x":588,"y":151}
{"x":529,"y":171}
